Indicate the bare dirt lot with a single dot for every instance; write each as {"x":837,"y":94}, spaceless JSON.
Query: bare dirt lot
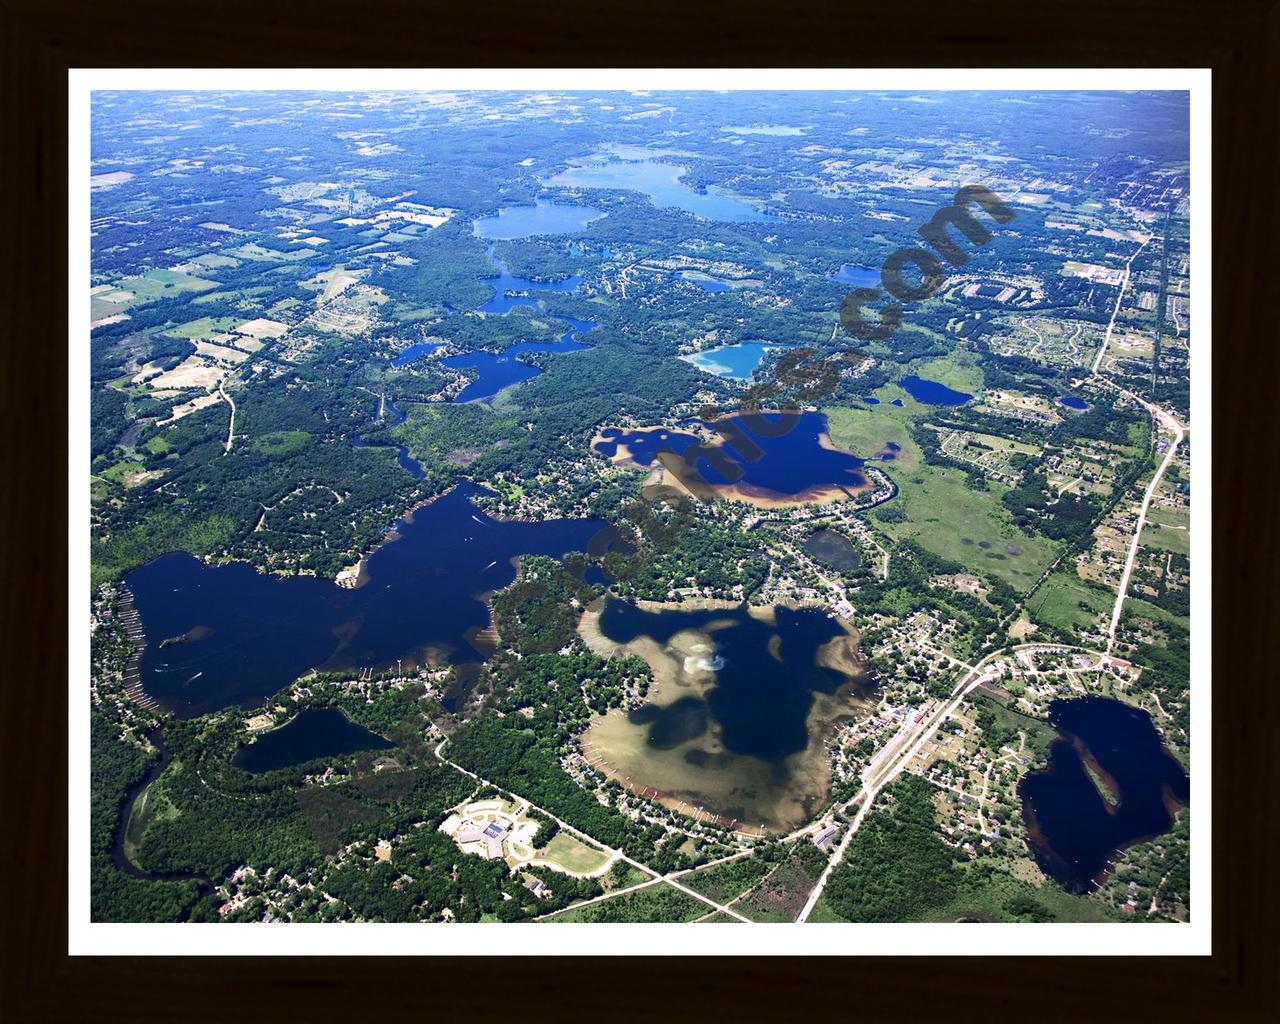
{"x":193,"y":372}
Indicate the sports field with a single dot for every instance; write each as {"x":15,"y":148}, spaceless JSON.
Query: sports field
{"x":575,"y":857}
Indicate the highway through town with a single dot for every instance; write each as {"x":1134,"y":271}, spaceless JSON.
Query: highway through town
{"x":903,"y":748}
{"x":1124,"y":286}
{"x":1163,"y":418}
{"x":880,"y":773}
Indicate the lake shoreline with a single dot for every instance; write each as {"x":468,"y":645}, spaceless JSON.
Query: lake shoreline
{"x":356,"y":576}
{"x":427,"y":604}
{"x":1110,"y":782}
{"x":754,"y":495}
{"x":780,"y":794}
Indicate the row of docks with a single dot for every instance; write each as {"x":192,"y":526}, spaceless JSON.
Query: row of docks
{"x":592,"y":756}
{"x":485,"y":641}
{"x":132,"y":623}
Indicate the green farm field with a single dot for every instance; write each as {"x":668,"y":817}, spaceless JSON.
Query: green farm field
{"x":943,"y":513}
{"x":1067,"y":602}
{"x":1169,"y":530}
{"x":865,"y":431}
{"x":951,"y":519}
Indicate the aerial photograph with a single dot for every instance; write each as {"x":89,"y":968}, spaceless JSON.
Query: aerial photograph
{"x":625,"y":506}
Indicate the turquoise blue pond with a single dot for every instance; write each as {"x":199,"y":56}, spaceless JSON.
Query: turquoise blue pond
{"x":732,"y":362}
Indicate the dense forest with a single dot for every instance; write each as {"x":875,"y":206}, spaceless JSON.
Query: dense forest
{"x":899,"y":868}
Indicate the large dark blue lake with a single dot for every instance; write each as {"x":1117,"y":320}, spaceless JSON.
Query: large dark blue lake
{"x":238,"y":635}
{"x":1072,"y":828}
{"x":766,"y":675}
{"x":311,"y":734}
{"x":497,"y":371}
{"x":787,"y":455}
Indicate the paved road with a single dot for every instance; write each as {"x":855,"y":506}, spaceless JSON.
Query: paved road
{"x":1137,"y":537}
{"x":868,"y":797}
{"x":1163,"y":419}
{"x":647,"y":884}
{"x":1169,"y":422}
{"x":876,"y":779}
{"x":1124,"y":285}
{"x":882,"y":774}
